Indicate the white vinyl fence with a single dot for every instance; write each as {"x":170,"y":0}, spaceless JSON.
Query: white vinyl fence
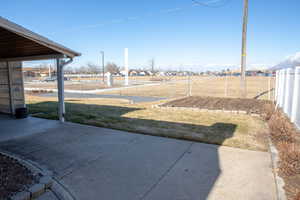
{"x":287,"y":94}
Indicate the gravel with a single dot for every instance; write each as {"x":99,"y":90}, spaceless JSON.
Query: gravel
{"x":14,"y":177}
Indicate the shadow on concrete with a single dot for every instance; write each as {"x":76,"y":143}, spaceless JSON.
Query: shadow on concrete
{"x":191,"y":176}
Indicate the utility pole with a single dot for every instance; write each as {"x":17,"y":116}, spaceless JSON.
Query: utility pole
{"x":243,"y":89}
{"x":126,"y":66}
{"x":49,"y":70}
{"x":102,"y":52}
{"x":152,"y":63}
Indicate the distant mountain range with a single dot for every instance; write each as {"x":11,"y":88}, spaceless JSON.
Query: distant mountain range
{"x":289,"y":62}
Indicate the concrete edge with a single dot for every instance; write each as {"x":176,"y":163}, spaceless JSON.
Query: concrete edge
{"x":46,"y":180}
{"x":279,"y":182}
{"x":168,"y":99}
{"x":206,"y":110}
{"x":61,"y":191}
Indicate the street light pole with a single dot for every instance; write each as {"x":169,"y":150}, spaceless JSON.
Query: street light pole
{"x":102,"y":52}
{"x":243,"y":89}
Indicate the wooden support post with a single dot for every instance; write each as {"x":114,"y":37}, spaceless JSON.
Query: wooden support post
{"x":60,"y":86}
{"x":10,"y":89}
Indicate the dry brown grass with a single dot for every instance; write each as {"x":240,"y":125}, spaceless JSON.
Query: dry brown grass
{"x":172,"y":87}
{"x":202,"y":86}
{"x":241,"y":131}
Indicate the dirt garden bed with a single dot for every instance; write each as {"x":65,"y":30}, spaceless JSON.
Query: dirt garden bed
{"x":14,"y":177}
{"x":251,"y":106}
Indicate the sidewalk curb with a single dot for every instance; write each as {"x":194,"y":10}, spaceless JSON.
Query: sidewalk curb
{"x":279,"y":182}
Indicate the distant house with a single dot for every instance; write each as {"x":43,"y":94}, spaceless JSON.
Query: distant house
{"x":133,"y":72}
{"x":162,"y":73}
{"x":142,"y":73}
{"x":257,"y":73}
{"x":38,"y":72}
{"x":150,"y":73}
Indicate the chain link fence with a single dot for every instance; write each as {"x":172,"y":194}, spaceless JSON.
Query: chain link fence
{"x":259,"y":87}
{"x":152,"y":88}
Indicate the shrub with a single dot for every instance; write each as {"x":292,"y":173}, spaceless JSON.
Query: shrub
{"x":290,"y":159}
{"x":298,"y":196}
{"x":268,"y":110}
{"x":281,"y":129}
{"x":284,"y":136}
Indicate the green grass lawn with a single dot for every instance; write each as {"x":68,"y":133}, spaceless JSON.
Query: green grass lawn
{"x":233,"y":130}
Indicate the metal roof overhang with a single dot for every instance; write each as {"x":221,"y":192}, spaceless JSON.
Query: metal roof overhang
{"x":20,"y":44}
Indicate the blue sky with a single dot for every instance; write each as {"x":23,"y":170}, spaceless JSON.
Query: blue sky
{"x":176,"y":33}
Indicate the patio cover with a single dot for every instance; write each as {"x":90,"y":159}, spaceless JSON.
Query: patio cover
{"x":20,"y":44}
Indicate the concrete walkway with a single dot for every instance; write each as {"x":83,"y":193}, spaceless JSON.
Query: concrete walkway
{"x":134,"y":99}
{"x":97,"y":163}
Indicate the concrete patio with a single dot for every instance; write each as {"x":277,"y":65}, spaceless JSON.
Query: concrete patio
{"x":98,"y":163}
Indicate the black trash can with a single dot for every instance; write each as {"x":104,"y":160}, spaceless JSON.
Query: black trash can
{"x":21,"y":113}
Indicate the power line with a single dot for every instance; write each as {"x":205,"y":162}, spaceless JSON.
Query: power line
{"x":211,"y":3}
{"x":206,"y":3}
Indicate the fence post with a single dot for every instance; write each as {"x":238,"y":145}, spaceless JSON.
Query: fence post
{"x":189,"y":85}
{"x":296,"y":96}
{"x":226,"y":85}
{"x":276,"y":86}
{"x":287,"y":91}
{"x":282,"y":87}
{"x":279,"y":99}
{"x":269,"y":87}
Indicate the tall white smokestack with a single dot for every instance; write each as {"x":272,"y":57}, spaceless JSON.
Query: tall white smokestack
{"x":126,"y":66}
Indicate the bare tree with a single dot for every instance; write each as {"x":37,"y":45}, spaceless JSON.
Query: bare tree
{"x":92,"y":68}
{"x":82,"y":70}
{"x":112,"y":68}
{"x":152,"y":65}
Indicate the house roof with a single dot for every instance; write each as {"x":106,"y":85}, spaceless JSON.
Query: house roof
{"x":37,"y":69}
{"x":17,"y":42}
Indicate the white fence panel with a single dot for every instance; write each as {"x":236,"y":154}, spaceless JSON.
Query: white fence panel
{"x":289,"y":89}
{"x":281,"y":87}
{"x":287,"y":93}
{"x":296,"y":98}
